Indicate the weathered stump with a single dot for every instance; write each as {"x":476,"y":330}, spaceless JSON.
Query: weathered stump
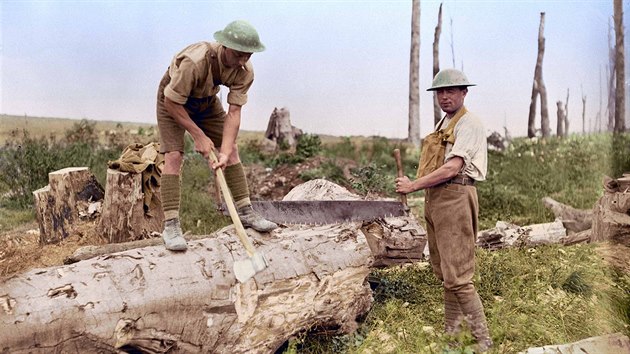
{"x":124,"y":217}
{"x":611,"y":213}
{"x":152,"y":300}
{"x":59,"y":205}
{"x":574,"y":220}
{"x":280,"y":131}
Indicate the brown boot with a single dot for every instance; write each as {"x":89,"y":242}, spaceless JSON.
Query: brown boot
{"x":476,"y":319}
{"x":453,"y":315}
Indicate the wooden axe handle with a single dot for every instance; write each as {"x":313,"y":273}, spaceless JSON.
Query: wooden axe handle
{"x":399,"y":168}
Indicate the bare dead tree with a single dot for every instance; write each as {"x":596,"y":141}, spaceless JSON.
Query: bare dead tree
{"x":611,"y":80}
{"x":414,"y":81}
{"x":561,"y":117}
{"x":566,"y":115}
{"x":620,"y":70}
{"x":539,"y":89}
{"x":437,"y":112}
{"x":598,"y":117}
{"x":453,"y":44}
{"x":583,"y":111}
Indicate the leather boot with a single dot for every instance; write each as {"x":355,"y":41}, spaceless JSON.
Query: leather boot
{"x":172,"y":236}
{"x":453,"y":315}
{"x":476,"y":319}
{"x":250,"y":218}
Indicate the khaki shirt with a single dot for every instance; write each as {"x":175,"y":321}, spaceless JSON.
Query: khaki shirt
{"x":191,"y":76}
{"x":471,"y":145}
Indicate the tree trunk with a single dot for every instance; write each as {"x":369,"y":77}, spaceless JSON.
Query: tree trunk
{"x":620,"y":70}
{"x":539,"y":89}
{"x":611,"y":214}
{"x":123,"y":217}
{"x":574,"y":220}
{"x":152,"y":300}
{"x":583,"y":114}
{"x":59,"y":205}
{"x":437,"y":111}
{"x":566,"y":116}
{"x":280,"y":130}
{"x":560,"y":122}
{"x":611,"y":81}
{"x":414,"y":81}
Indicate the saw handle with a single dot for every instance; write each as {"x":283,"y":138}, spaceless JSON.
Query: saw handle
{"x":229,"y":202}
{"x":399,"y":168}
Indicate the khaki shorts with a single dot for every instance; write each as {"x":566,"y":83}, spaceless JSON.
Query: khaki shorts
{"x":207,"y":113}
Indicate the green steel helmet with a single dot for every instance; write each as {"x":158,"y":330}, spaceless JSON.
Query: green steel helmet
{"x":240,"y":35}
{"x":449,"y":78}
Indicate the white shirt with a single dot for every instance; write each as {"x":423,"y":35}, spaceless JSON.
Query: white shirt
{"x":470,"y":144}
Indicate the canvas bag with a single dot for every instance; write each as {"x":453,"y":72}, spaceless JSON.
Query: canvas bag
{"x":434,"y":145}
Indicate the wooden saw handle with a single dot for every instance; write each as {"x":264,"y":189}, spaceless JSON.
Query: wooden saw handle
{"x":399,"y":168}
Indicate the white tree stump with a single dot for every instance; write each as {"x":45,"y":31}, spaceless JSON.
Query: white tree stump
{"x":58,"y":205}
{"x":152,"y":300}
{"x":123,"y":217}
{"x":509,"y":235}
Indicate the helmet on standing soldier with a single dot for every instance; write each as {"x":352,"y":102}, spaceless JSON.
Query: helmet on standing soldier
{"x":449,"y":78}
{"x":240,"y":35}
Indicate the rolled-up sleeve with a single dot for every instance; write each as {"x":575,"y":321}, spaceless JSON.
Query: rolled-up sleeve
{"x":470,"y":138}
{"x":238,"y":90}
{"x":183,"y":75}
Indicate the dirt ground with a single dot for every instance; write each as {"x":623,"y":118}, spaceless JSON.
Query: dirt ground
{"x":20,"y":249}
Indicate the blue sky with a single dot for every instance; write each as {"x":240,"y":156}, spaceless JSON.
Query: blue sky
{"x":339,"y":67}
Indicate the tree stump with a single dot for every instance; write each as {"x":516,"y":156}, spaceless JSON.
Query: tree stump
{"x":123,"y":217}
{"x":611,"y":213}
{"x":280,"y":130}
{"x":59,"y":205}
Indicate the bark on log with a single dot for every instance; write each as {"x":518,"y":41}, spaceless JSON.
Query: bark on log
{"x":151,"y":300}
{"x":611,"y":213}
{"x":123,"y":217}
{"x":59,"y":205}
{"x":574,"y":220}
{"x":610,"y":343}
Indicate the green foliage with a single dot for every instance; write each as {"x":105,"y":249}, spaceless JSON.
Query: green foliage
{"x":308,"y":145}
{"x":524,"y":295}
{"x":26,"y":162}
{"x":198,"y":209}
{"x":372,"y":179}
{"x":620,"y":155}
{"x":327,"y":170}
{"x":82,"y":132}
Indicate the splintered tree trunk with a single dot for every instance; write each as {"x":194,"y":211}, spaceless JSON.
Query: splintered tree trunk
{"x":59,"y":204}
{"x":611,"y":214}
{"x":574,"y":220}
{"x":560,"y":122}
{"x":155,"y":301}
{"x":611,"y":81}
{"x":583,"y":114}
{"x":414,"y":81}
{"x":566,"y":116}
{"x":437,"y":112}
{"x":539,"y":89}
{"x":123,"y":217}
{"x":620,"y":70}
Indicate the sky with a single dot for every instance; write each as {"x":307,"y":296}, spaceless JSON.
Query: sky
{"x":340,"y":67}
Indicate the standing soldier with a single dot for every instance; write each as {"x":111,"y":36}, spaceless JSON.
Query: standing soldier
{"x":187,"y":101}
{"x":453,"y":158}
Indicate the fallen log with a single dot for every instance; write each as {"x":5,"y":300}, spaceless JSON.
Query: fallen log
{"x":574,"y":220}
{"x":510,"y":235}
{"x":610,"y":343}
{"x":151,"y":300}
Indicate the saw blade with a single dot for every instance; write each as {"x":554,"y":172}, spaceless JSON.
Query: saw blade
{"x":320,"y":212}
